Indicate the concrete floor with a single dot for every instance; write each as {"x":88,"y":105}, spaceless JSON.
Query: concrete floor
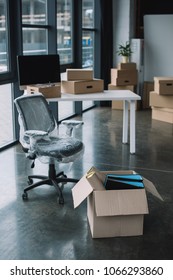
{"x":40,"y":228}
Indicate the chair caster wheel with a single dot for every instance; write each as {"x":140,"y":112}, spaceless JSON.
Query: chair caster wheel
{"x":25,"y":196}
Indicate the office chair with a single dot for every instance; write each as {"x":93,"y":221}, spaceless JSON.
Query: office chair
{"x":39,"y":137}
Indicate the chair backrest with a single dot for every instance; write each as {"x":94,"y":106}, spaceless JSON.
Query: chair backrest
{"x":34,"y":113}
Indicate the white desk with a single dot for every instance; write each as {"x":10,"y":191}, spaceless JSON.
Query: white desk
{"x":127,"y":96}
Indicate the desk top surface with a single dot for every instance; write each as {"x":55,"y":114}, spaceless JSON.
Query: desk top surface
{"x":107,"y":95}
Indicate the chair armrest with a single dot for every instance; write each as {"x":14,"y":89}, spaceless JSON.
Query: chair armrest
{"x":34,"y":135}
{"x":71,"y":124}
{"x":37,"y":134}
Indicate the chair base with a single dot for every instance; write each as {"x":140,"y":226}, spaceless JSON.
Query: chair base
{"x":52,"y":179}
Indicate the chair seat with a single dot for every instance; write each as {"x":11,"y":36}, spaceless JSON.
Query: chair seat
{"x":59,"y":147}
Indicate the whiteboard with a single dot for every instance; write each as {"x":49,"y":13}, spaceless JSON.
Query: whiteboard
{"x":158,"y":46}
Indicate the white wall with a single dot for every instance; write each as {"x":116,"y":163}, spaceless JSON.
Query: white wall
{"x":158,"y":46}
{"x":122,"y":25}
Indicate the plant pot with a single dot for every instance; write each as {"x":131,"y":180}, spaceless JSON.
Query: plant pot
{"x":125,"y":59}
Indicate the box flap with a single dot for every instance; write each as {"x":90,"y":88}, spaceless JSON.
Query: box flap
{"x":149,"y":186}
{"x":80,"y":191}
{"x":120,"y":202}
{"x":101,"y":175}
{"x":94,"y":181}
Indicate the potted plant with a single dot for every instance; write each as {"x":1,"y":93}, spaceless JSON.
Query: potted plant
{"x":125,"y":51}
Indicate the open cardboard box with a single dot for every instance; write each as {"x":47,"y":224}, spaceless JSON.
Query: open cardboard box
{"x":112,"y":213}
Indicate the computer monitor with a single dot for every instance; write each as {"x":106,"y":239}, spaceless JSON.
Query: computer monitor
{"x":38,"y":69}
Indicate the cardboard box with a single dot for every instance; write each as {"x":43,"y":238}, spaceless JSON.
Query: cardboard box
{"x":48,"y":90}
{"x":112,"y":213}
{"x":162,"y":114}
{"x":124,"y":77}
{"x":148,"y":86}
{"x":127,"y":66}
{"x":113,"y":87}
{"x":79,"y":74}
{"x":118,"y":105}
{"x":79,"y":87}
{"x":163,"y":85}
{"x":164,"y":101}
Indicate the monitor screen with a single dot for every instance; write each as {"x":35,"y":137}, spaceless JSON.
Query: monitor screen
{"x":38,"y":69}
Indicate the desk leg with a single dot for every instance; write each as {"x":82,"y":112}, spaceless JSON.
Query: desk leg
{"x":132,"y":127}
{"x":125,"y":122}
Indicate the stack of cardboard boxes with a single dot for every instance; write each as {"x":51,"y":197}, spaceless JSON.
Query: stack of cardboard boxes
{"x":79,"y":81}
{"x":124,"y":77}
{"x":161,"y":99}
{"x":74,"y":81}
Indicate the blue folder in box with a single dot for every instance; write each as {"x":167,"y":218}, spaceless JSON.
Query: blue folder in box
{"x":123,"y":181}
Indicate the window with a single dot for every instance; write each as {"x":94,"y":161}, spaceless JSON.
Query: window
{"x":4,"y":66}
{"x":34,"y":12}
{"x":6,"y":116}
{"x":64,"y":30}
{"x":88,"y":32}
{"x":35,"y":28}
{"x":64,"y":46}
{"x":6,"y":97}
{"x":87,"y":49}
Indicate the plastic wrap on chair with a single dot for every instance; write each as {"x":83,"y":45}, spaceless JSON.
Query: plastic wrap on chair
{"x":39,"y":132}
{"x":71,"y":124}
{"x":63,"y":149}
